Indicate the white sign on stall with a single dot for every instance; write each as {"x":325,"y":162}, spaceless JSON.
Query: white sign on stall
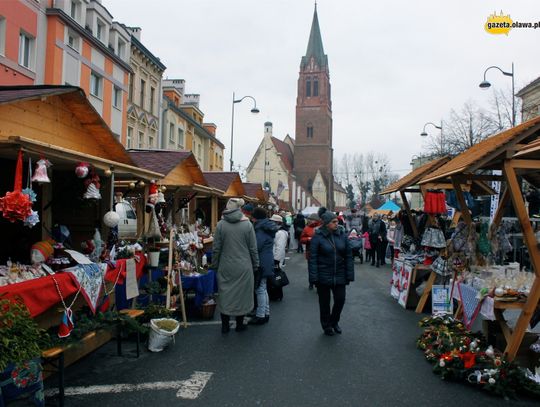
{"x":441,"y":302}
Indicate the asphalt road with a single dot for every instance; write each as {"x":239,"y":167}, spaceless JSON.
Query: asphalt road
{"x":289,"y":362}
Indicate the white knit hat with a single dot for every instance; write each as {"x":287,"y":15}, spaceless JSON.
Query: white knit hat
{"x":234,"y":203}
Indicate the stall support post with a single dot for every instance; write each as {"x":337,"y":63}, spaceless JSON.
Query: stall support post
{"x":461,"y":199}
{"x":214,"y":210}
{"x":169,"y":268}
{"x":409,"y":214}
{"x":500,"y":209}
{"x":534,"y":296}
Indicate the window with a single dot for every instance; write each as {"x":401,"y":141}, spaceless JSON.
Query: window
{"x":73,"y":41}
{"x":152,"y":97}
{"x":315,"y":87}
{"x":141,"y":139}
{"x":180,"y":137}
{"x":2,"y":35}
{"x":308,"y":87}
{"x":199,"y":151}
{"x":26,"y":50}
{"x":129,"y":139}
{"x":130,"y":90}
{"x":117,"y":97}
{"x":96,"y":84}
{"x":171,"y":132}
{"x":141,"y":96}
{"x":310,"y":132}
{"x":100,"y":32}
{"x":75,"y":10}
{"x":121,"y":48}
{"x":151,"y":138}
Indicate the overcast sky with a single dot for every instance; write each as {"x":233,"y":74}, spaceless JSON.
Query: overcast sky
{"x":394,"y":64}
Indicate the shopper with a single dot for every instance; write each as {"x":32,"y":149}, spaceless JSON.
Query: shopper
{"x":330,"y":269}
{"x":308,"y":233}
{"x":280,"y":240}
{"x":265,"y":231}
{"x":378,"y":240}
{"x":235,"y":257}
{"x":299,"y":225}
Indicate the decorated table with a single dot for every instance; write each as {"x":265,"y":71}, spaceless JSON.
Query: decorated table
{"x":204,"y":285}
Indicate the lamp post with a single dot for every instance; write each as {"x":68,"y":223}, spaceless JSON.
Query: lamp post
{"x":254,"y":110}
{"x":485,"y":85}
{"x":424,"y":134}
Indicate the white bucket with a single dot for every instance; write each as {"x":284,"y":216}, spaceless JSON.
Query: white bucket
{"x":159,"y":339}
{"x":153,"y":259}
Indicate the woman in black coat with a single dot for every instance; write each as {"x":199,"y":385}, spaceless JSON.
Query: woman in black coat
{"x":299,"y":225}
{"x":330,"y":269}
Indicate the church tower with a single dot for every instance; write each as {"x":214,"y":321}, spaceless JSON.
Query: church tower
{"x":313,"y":142}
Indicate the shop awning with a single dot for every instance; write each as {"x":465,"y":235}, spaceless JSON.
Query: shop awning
{"x":254,"y":192}
{"x":229,"y":183}
{"x":61,"y":154}
{"x":416,"y":175}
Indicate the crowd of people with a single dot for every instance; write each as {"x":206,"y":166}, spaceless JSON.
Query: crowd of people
{"x":250,"y":246}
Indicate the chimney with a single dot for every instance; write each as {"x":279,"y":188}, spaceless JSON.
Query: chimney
{"x":210,"y":128}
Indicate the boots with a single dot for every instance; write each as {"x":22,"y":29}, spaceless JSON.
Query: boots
{"x":240,"y":326}
{"x":225,"y":327}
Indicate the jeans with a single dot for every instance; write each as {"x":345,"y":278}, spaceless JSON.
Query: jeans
{"x":330,"y":319}
{"x":263,"y":302}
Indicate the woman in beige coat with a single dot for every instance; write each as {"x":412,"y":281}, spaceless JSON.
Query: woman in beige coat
{"x":235,"y":258}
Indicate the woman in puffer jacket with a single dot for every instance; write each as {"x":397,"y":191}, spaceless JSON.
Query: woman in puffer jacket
{"x":330,"y":269}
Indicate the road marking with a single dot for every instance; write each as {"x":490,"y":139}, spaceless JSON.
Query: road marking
{"x":186,"y":389}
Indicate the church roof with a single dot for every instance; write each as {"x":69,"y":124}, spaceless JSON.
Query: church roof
{"x":315,"y":46}
{"x":286,"y":153}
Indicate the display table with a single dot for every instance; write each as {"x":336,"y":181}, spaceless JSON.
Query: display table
{"x":204,"y":285}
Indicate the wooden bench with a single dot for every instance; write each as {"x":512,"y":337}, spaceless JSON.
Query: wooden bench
{"x":131,"y":313}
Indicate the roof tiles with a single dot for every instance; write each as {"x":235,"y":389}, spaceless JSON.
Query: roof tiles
{"x":416,"y":175}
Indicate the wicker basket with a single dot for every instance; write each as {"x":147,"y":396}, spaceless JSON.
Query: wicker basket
{"x":208,"y":310}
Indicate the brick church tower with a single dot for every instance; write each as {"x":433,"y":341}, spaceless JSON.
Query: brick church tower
{"x":313,"y":142}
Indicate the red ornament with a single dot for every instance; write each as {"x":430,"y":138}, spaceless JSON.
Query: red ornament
{"x":16,"y":205}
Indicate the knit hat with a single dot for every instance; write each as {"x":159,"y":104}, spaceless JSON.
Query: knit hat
{"x":234,"y":203}
{"x":277,"y":218}
{"x":314,"y":217}
{"x":353,"y":233}
{"x":321,"y":210}
{"x":259,"y":213}
{"x":328,"y":217}
{"x":248,"y":208}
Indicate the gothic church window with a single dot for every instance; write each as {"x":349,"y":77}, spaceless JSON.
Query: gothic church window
{"x":315,"y":87}
{"x":310,"y":130}
{"x":308,"y":87}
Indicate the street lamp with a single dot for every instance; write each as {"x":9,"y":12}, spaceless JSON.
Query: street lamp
{"x":254,"y":110}
{"x":485,"y":85}
{"x":424,"y":134}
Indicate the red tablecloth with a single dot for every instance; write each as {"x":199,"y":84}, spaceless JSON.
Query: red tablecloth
{"x":41,"y":294}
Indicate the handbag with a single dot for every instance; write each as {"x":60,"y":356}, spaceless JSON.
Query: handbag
{"x":279,"y":278}
{"x":440,"y":266}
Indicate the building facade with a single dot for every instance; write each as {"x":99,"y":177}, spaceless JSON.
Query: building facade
{"x":86,"y":48}
{"x":183,"y":126}
{"x":530,"y":98}
{"x":313,"y":152}
{"x":144,"y":95}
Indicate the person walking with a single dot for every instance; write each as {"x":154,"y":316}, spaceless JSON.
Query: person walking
{"x":308,"y":233}
{"x":331,"y":268}
{"x":265,"y":231}
{"x":235,"y":257}
{"x":299,"y":225}
{"x":378,"y":240}
{"x":279,"y":250}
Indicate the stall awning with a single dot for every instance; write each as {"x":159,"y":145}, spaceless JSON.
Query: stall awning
{"x":487,"y":154}
{"x":227,"y":182}
{"x":254,"y":192}
{"x":416,"y":175}
{"x":39,"y":148}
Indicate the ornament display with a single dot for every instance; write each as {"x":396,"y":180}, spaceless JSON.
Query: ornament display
{"x":111,"y":219}
{"x":16,"y":205}
{"x":40,"y":174}
{"x":82,"y":169}
{"x":92,"y":187}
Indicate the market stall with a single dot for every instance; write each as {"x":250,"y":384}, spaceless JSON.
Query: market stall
{"x":478,"y":263}
{"x":255,"y":193}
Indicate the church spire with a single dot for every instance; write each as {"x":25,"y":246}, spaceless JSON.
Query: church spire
{"x":315,"y":46}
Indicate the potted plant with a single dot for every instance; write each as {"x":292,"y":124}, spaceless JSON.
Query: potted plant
{"x":20,"y":338}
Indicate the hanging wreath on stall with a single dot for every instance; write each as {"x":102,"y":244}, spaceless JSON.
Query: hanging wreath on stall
{"x":16,"y":205}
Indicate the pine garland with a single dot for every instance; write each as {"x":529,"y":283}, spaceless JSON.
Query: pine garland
{"x":460,"y":355}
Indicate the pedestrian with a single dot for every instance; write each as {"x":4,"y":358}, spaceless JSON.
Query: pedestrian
{"x":265,"y":231}
{"x":391,"y":238}
{"x":357,"y":245}
{"x":330,"y":268}
{"x":378,"y":240}
{"x":235,"y":257}
{"x":299,"y":225}
{"x":308,"y":233}
{"x":280,"y":240}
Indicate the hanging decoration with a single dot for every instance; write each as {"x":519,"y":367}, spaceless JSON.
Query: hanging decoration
{"x":32,"y":219}
{"x":82,"y":169}
{"x":28,"y":190}
{"x":16,"y":205}
{"x":111,"y":219}
{"x":40,"y":174}
{"x":92,"y":186}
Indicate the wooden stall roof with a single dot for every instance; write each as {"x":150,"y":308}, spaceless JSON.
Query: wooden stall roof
{"x":227,"y":182}
{"x":489,"y":152}
{"x":59,"y":155}
{"x":416,"y":175}
{"x":72,"y":99}
{"x":180,"y":168}
{"x":254,"y":190}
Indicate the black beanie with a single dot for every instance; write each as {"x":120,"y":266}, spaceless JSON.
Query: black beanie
{"x":328,"y":217}
{"x":321,"y":210}
{"x":259,"y":213}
